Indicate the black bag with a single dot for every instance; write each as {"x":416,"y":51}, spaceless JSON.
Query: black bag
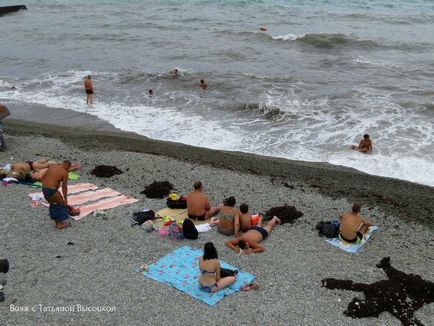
{"x":224,"y":272}
{"x":189,"y":229}
{"x":328,"y":229}
{"x":141,"y":217}
{"x":4,"y":266}
{"x":180,"y":203}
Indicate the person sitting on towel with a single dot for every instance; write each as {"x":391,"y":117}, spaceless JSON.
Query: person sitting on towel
{"x":198,"y":206}
{"x":249,"y":242}
{"x":55,"y":175}
{"x":209,"y":266}
{"x":229,"y":218}
{"x":247,"y":220}
{"x":353,"y":226}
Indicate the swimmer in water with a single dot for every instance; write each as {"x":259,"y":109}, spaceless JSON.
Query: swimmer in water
{"x":203,"y":85}
{"x":151,"y":93}
{"x":175,"y":72}
{"x":365,"y":145}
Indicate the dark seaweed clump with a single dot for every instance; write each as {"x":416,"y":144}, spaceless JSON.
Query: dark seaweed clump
{"x":158,"y":189}
{"x":401,"y":295}
{"x":106,"y":171}
{"x":286,"y":213}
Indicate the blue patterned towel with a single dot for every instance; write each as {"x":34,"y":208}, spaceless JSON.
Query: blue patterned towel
{"x":180,"y":269}
{"x":352,"y":247}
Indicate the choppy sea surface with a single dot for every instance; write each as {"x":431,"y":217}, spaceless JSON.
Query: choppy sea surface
{"x":321,"y":75}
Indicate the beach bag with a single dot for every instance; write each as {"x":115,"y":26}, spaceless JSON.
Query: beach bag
{"x":175,"y":231}
{"x":141,"y":217}
{"x":174,"y":201}
{"x":328,"y":229}
{"x":224,"y":272}
{"x":189,"y":229}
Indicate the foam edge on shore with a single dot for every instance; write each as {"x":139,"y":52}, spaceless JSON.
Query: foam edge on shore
{"x":397,"y":197}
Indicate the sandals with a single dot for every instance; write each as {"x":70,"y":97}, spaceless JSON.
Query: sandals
{"x":248,"y":287}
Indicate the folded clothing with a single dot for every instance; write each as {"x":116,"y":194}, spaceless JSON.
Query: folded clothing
{"x":58,"y":212}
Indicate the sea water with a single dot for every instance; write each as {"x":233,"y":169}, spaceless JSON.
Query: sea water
{"x":322,"y":74}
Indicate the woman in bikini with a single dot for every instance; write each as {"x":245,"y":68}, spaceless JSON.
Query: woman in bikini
{"x":209,"y":266}
{"x":229,"y":218}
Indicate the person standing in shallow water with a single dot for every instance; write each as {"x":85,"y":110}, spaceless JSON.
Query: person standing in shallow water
{"x":88,"y":87}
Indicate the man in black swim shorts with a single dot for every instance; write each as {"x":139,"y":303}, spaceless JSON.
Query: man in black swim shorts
{"x":88,"y":87}
{"x":249,"y":242}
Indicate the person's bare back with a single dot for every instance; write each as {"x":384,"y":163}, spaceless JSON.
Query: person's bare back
{"x":197,"y":203}
{"x":88,"y":85}
{"x":198,"y":206}
{"x":54,"y":175}
{"x":352,"y":224}
{"x":51,"y":180}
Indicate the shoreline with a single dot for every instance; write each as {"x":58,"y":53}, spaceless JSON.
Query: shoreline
{"x":397,"y":197}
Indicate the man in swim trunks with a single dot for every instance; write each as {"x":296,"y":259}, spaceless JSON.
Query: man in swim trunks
{"x":365,"y":145}
{"x":88,"y":87}
{"x":19,"y":170}
{"x":249,"y":242}
{"x":55,"y":175}
{"x":198,"y":206}
{"x":353,"y":226}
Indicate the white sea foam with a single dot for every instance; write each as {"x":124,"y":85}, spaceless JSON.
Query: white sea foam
{"x":287,"y":37}
{"x":311,"y":130}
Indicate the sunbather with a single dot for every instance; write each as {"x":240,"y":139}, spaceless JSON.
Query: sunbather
{"x":353,"y":226}
{"x":247,"y":220}
{"x":19,"y":170}
{"x":209,"y":266}
{"x":229,"y":218}
{"x":249,"y":242}
{"x":198,"y":206}
{"x":38,"y":175}
{"x":55,"y":175}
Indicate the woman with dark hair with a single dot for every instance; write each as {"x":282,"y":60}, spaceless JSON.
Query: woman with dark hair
{"x":209,"y":266}
{"x":229,"y":218}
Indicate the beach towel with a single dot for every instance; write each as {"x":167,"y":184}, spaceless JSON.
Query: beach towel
{"x":352,"y":247}
{"x":180,"y":270}
{"x":178,"y":215}
{"x":82,"y":196}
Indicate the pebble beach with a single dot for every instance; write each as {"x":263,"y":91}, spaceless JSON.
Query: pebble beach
{"x":94,"y":263}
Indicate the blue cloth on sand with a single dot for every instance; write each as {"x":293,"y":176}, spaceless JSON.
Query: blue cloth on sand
{"x":58,"y":212}
{"x":180,"y":269}
{"x":352,"y":247}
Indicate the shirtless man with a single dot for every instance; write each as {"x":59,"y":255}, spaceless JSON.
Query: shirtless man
{"x":353,"y":226}
{"x":249,"y":242}
{"x":88,"y":87}
{"x":19,"y":170}
{"x":55,"y":175}
{"x":198,"y":206}
{"x":365,"y":145}
{"x":247,"y":220}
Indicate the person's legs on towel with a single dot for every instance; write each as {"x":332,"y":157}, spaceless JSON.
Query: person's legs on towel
{"x":224,"y":282}
{"x":40,"y":164}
